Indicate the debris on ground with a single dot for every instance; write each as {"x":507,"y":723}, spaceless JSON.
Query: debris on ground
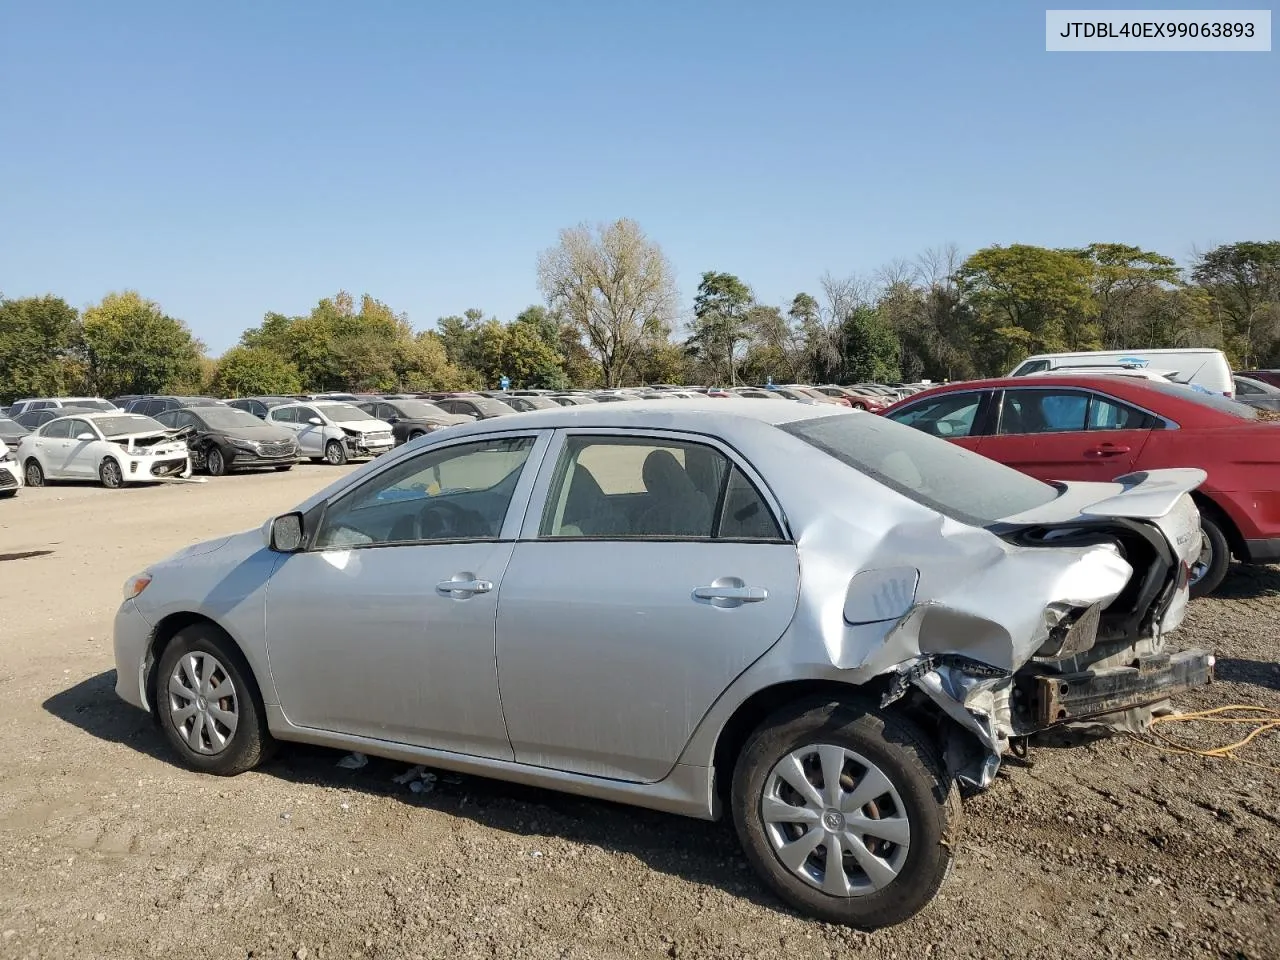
{"x":353,"y":761}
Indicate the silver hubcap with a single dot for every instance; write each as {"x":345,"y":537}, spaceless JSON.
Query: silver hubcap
{"x":34,"y":476}
{"x":1204,"y":561}
{"x":215,"y":461}
{"x":110,"y":473}
{"x":835,"y":820}
{"x":203,"y":703}
{"x":335,"y":453}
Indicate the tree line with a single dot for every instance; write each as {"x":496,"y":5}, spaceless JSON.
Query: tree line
{"x":612,"y":317}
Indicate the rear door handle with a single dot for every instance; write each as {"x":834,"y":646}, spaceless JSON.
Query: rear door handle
{"x":461,"y":589}
{"x":740,"y":594}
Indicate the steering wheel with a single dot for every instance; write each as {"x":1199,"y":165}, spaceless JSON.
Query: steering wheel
{"x":442,"y":520}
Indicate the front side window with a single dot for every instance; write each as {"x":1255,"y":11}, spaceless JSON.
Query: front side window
{"x":76,"y":428}
{"x":623,"y":488}
{"x":948,"y":415}
{"x":306,"y":414}
{"x":460,"y":492}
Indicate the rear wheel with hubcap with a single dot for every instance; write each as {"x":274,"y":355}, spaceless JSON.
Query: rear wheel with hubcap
{"x":109,"y":474}
{"x":846,"y":811}
{"x":33,"y":473}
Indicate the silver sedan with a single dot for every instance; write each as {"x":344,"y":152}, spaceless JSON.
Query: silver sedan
{"x":816,"y":621}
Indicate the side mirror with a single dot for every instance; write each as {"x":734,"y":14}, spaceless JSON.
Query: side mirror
{"x":316,"y":422}
{"x":283,"y":534}
{"x":86,"y":436}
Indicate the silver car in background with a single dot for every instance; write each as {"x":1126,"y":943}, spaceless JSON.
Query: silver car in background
{"x":814,"y":620}
{"x":332,"y":430}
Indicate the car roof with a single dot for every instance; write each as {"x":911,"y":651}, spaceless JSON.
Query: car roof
{"x":702,"y":414}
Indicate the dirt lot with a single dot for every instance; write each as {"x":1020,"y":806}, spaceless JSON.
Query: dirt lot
{"x":109,"y":850}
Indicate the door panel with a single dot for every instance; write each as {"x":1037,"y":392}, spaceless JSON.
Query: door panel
{"x":607,"y":659}
{"x":361,"y":641}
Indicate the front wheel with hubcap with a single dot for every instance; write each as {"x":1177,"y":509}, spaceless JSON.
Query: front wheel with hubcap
{"x":335,"y":453}
{"x":33,"y":473}
{"x":1210,"y":568}
{"x":208,"y":704}
{"x":110,"y":475}
{"x":846,"y":811}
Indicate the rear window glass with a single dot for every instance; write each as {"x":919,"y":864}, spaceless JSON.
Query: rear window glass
{"x":942,"y":476}
{"x":1220,"y":403}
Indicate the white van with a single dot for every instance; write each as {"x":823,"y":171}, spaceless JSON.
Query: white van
{"x":1195,"y":367}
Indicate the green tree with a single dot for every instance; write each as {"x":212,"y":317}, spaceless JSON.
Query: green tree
{"x":871,"y":347}
{"x":1029,"y":300}
{"x":132,"y":346}
{"x":255,"y":371}
{"x":615,"y":285}
{"x":38,"y":337}
{"x":720,"y":311}
{"x":1243,"y":284}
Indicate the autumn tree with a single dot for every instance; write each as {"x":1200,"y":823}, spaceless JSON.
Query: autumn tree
{"x":38,"y":337}
{"x":132,"y":346}
{"x":254,"y":371}
{"x":1243,"y":284}
{"x":615,"y":285}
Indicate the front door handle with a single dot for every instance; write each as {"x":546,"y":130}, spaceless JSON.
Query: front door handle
{"x":1108,"y":450}
{"x":462,"y":588}
{"x":738,"y":594}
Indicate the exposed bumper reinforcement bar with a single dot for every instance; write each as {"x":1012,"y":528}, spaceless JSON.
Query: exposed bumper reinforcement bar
{"x":1053,"y":698}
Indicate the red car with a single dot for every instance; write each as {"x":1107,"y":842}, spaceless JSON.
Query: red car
{"x":1099,"y":427}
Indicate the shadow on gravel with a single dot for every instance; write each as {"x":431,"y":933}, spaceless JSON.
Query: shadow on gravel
{"x":1247,"y":582}
{"x":694,"y":850}
{"x":1260,"y":672}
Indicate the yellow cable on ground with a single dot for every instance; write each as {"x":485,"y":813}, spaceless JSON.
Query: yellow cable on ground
{"x":1263,"y":719}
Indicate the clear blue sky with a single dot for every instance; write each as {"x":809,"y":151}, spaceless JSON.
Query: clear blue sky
{"x":231,"y":158}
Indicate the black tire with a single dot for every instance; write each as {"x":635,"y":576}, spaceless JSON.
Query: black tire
{"x":415,"y":435}
{"x":33,"y":473}
{"x":335,"y":453}
{"x":1215,"y":557}
{"x":282,"y":469}
{"x":109,"y":473}
{"x":8,"y":494}
{"x":929,"y":797}
{"x":251,"y":743}
{"x":215,"y":463}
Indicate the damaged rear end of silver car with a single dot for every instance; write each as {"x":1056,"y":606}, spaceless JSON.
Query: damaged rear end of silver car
{"x":1068,"y":627}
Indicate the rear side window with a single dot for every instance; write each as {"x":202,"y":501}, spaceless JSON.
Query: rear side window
{"x":56,"y":429}
{"x":941,"y":476}
{"x":285,"y":414}
{"x":1031,"y":366}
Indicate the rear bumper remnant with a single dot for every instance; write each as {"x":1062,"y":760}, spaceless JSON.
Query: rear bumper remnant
{"x":1046,"y":698}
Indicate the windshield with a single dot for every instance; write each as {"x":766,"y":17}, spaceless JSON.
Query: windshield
{"x":940,"y":475}
{"x":127,"y":423}
{"x":343,"y":412}
{"x":227,"y":418}
{"x":11,"y":426}
{"x":419,"y":409}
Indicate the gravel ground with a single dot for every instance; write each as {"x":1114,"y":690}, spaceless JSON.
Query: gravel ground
{"x":107,"y":849}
